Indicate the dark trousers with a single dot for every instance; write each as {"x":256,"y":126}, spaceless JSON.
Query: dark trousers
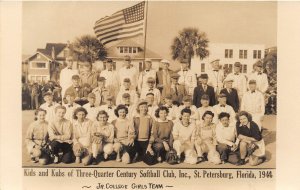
{"x":66,"y":149}
{"x":224,"y":151}
{"x":159,"y":149}
{"x":141,"y":148}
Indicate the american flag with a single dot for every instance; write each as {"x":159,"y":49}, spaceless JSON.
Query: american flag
{"x":123,"y":24}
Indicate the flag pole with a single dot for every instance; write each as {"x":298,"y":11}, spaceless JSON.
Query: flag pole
{"x":145,"y":37}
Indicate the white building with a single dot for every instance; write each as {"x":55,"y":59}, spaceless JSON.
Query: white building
{"x":246,"y":54}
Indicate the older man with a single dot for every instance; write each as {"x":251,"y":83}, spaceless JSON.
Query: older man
{"x":164,"y":78}
{"x":65,"y":79}
{"x":187,"y":77}
{"x":216,"y":76}
{"x":144,"y":75}
{"x":261,"y":78}
{"x":128,"y":71}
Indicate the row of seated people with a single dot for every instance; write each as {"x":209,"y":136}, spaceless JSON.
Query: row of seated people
{"x":144,"y":138}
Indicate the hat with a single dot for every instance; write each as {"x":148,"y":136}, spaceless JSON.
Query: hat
{"x":222,"y":95}
{"x":175,"y":75}
{"x":204,"y":97}
{"x":125,"y":95}
{"x":252,"y":81}
{"x":203,"y":76}
{"x":165,"y":61}
{"x":75,"y":77}
{"x":216,"y":60}
{"x":184,"y":61}
{"x":109,"y":61}
{"x":47,"y":94}
{"x":91,"y":95}
{"x":150,"y":80}
{"x":168,"y":96}
{"x":259,"y":64}
{"x":228,"y":79}
{"x":100,"y":78}
{"x":148,"y":60}
{"x":187,"y":99}
{"x":237,"y":64}
{"x":141,"y":102}
{"x":127,"y":58}
{"x":109,"y":97}
{"x":126,"y":80}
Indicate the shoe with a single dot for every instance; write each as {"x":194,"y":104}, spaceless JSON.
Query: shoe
{"x":55,"y":161}
{"x":77,"y":161}
{"x":105,"y":156}
{"x":241,"y":162}
{"x":159,"y":159}
{"x":223,"y":162}
{"x":118,"y":160}
{"x":178,"y":159}
{"x":200,"y":159}
{"x":135,"y":158}
{"x":94,"y":161}
{"x":33,"y":160}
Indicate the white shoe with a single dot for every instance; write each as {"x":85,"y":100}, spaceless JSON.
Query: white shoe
{"x":55,"y":161}
{"x":105,"y":156}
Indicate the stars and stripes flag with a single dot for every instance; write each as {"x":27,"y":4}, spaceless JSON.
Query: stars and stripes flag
{"x":123,"y":24}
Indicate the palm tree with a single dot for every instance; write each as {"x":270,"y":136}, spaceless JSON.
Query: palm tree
{"x":89,"y":48}
{"x":189,"y":43}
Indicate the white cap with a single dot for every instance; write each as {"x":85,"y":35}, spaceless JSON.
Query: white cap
{"x":165,"y":61}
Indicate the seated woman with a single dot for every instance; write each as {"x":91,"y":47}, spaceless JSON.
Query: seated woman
{"x":102,"y":136}
{"x":142,"y":123}
{"x":82,"y":136}
{"x":37,"y":138}
{"x":162,"y":138}
{"x":206,"y":139}
{"x":124,"y":135}
{"x":251,"y":143}
{"x":184,"y":134}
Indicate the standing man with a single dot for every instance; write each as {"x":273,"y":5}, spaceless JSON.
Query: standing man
{"x":111,"y":76}
{"x":128,"y":71}
{"x":151,"y":89}
{"x":177,"y":91}
{"x":216,"y":76}
{"x":254,"y":103}
{"x":163,"y":81}
{"x":202,"y":89}
{"x":260,"y":78}
{"x":87,"y":76}
{"x":101,"y":92}
{"x":144,"y":75}
{"x":187,"y":77}
{"x":239,"y":80}
{"x":231,"y":93}
{"x":65,"y":79}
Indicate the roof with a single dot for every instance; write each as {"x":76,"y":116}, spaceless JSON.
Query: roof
{"x":113,"y":53}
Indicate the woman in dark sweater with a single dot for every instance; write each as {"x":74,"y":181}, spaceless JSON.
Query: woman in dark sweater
{"x":162,"y":138}
{"x":249,"y":136}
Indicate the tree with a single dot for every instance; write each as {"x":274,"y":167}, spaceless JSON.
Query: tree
{"x":189,"y":43}
{"x":88,"y":48}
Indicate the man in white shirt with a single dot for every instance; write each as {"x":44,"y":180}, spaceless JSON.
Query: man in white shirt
{"x":128,"y":71}
{"x":173,"y":109}
{"x":261,"y":78}
{"x":151,"y":106}
{"x":127,"y":88}
{"x":91,"y":108}
{"x":101,"y":91}
{"x":223,"y":107}
{"x":70,"y":106}
{"x":65,"y":79}
{"x":187,"y":103}
{"x":49,"y":106}
{"x":131,"y":107}
{"x":144,"y":75}
{"x":111,"y":76}
{"x":151,"y":88}
{"x":109,"y":107}
{"x":254,"y":103}
{"x":226,"y":136}
{"x":239,"y":80}
{"x":187,"y":77}
{"x":216,"y":76}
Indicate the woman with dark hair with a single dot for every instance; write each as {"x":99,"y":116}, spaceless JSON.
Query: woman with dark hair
{"x":37,"y":138}
{"x":162,"y":133}
{"x":251,"y":142}
{"x":124,"y":135}
{"x":81,"y":136}
{"x":102,"y":136}
{"x":184,"y":134}
{"x":206,"y":139}
{"x":142,"y":123}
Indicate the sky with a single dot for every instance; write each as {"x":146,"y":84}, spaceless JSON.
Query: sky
{"x":223,"y":22}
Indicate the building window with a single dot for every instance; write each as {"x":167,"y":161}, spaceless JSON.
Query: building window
{"x":243,"y":54}
{"x":141,"y":66}
{"x":259,"y":54}
{"x":130,"y":49}
{"x":121,"y":50}
{"x":38,"y":65}
{"x":202,"y":67}
{"x":256,"y":54}
{"x":228,"y":53}
{"x":244,"y":68}
{"x":125,"y":49}
{"x":134,"y":50}
{"x":229,"y":68}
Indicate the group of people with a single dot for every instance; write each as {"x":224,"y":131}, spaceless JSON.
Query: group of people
{"x":151,"y":116}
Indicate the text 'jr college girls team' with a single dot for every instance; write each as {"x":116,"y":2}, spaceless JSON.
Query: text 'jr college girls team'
{"x":151,"y":116}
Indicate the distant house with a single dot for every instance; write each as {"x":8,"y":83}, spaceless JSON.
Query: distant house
{"x":246,"y":54}
{"x":129,"y":47}
{"x":45,"y":64}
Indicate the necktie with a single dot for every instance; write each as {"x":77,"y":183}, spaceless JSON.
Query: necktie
{"x":215,"y":70}
{"x":127,"y":105}
{"x":259,"y":73}
{"x":70,"y":68}
{"x":50,"y":105}
{"x":109,"y":107}
{"x":149,"y":105}
{"x":176,"y":90}
{"x":223,"y":106}
{"x":150,"y":89}
{"x":71,"y":105}
{"x":147,"y":71}
{"x":236,"y":73}
{"x":127,"y":89}
{"x":253,"y":91}
{"x":185,"y":70}
{"x":92,"y":106}
{"x":110,"y":70}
